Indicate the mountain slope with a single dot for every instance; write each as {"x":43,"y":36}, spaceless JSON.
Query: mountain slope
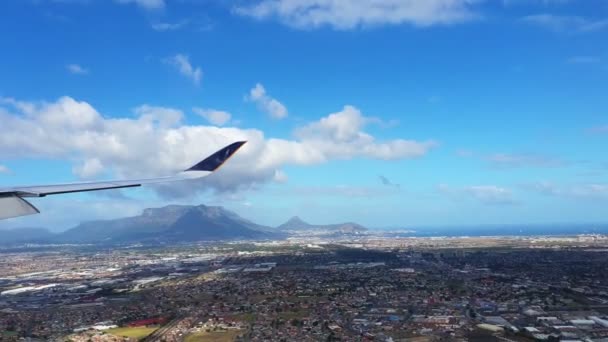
{"x":25,"y":235}
{"x":172,"y":223}
{"x":297,"y":224}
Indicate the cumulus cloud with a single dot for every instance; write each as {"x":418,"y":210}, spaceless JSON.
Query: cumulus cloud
{"x":4,"y":169}
{"x":145,"y":4}
{"x":341,"y":135}
{"x":565,"y":23}
{"x":345,"y":15}
{"x":214,"y":116}
{"x":486,"y":194}
{"x":266,"y":103}
{"x":280,"y":176}
{"x":160,"y":116}
{"x":77,"y":69}
{"x":89,"y":169}
{"x":156,"y":142}
{"x":182,"y":64}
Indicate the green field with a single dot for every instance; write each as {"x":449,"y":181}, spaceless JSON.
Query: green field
{"x":133,"y":332}
{"x":244,"y":317}
{"x":223,"y":336}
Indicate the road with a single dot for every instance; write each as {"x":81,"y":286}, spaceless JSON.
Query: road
{"x":158,"y":335}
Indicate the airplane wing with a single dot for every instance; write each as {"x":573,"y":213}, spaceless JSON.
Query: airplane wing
{"x":12,"y":203}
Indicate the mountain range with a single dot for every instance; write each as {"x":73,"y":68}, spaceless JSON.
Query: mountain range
{"x":296,"y":224}
{"x":174,"y":223}
{"x":25,"y":235}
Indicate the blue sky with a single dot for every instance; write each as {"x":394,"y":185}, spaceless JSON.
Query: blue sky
{"x":385,"y":112}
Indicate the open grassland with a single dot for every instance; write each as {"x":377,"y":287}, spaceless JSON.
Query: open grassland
{"x":133,"y":332}
{"x":215,"y":336}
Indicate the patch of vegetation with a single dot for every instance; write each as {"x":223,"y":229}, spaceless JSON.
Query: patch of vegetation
{"x":244,"y":317}
{"x":363,"y":255}
{"x":133,"y":332}
{"x":215,"y":336}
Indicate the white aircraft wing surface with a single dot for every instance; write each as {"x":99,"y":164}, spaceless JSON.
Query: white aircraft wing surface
{"x":12,"y":203}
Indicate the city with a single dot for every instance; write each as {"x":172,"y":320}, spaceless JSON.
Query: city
{"x":366,"y":289}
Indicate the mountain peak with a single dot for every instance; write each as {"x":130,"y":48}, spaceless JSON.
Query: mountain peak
{"x":296,"y":223}
{"x":296,"y":219}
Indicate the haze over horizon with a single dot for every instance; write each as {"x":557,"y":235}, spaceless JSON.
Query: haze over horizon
{"x":384,"y":113}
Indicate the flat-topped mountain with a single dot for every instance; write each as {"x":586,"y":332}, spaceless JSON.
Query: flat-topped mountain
{"x":173,"y":223}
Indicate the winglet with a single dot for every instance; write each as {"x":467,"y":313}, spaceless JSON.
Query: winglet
{"x":214,"y":161}
{"x":14,"y":206}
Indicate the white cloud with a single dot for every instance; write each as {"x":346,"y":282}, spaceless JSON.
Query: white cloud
{"x":490,"y":194}
{"x":266,"y":103}
{"x":344,"y":15}
{"x":590,"y":191}
{"x":156,"y":142}
{"x":487,"y":194}
{"x":280,"y":176}
{"x":514,"y":160}
{"x":63,"y":212}
{"x":77,"y":69}
{"x":145,"y":4}
{"x":594,"y":191}
{"x":163,"y":27}
{"x":341,"y":135}
{"x":182,"y":63}
{"x":89,"y":169}
{"x":161,"y":116}
{"x":4,"y":169}
{"x":506,"y":160}
{"x":349,"y":191}
{"x":215,"y":117}
{"x":564,"y":23}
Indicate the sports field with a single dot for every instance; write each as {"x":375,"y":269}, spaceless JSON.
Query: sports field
{"x":8,"y":334}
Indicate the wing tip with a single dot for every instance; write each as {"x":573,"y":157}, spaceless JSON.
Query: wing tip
{"x":217,"y":159}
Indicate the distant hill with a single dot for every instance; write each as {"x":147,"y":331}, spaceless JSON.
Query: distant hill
{"x":172,"y":223}
{"x":297,"y":224}
{"x":25,"y":235}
